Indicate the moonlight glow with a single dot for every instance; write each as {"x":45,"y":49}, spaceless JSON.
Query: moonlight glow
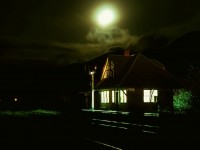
{"x":105,"y":15}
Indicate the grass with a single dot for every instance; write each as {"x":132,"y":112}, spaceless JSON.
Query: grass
{"x":40,"y":112}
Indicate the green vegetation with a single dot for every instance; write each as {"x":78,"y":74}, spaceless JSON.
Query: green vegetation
{"x":44,"y":112}
{"x":182,"y":101}
{"x":29,"y":113}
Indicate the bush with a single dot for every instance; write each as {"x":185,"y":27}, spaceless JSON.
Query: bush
{"x":182,"y":101}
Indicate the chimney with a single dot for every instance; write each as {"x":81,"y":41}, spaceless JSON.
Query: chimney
{"x":126,"y":52}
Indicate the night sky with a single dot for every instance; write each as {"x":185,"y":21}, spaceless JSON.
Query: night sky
{"x":61,"y":32}
{"x":39,"y":38}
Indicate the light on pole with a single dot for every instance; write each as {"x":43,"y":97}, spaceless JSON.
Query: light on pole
{"x":92,"y":86}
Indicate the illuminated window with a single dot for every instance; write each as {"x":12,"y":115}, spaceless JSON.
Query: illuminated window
{"x":102,"y":97}
{"x":113,"y":96}
{"x":123,"y":96}
{"x":105,"y":97}
{"x":108,"y":70}
{"x":150,"y":96}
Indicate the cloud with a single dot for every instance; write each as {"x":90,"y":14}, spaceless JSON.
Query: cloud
{"x":99,"y":41}
{"x":175,"y":18}
{"x":113,"y":36}
{"x":151,"y":41}
{"x":16,"y":50}
{"x":80,"y":52}
{"x":176,"y":30}
{"x":148,"y":23}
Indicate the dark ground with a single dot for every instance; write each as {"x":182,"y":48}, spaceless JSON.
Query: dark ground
{"x":75,"y":132}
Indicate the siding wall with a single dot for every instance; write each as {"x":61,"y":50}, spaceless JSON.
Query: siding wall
{"x":135,"y":102}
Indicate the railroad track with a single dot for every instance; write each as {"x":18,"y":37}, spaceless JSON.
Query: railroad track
{"x":101,"y":144}
{"x":144,"y":128}
{"x":119,"y":135}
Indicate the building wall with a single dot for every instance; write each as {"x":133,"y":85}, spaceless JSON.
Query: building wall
{"x":165,"y":100}
{"x":107,"y":106}
{"x":135,"y":102}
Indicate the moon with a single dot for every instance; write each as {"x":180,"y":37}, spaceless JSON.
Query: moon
{"x":105,"y":17}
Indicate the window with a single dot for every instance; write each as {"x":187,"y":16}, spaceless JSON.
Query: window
{"x":108,"y":70}
{"x":113,"y":96}
{"x":105,"y":97}
{"x":150,"y":96}
{"x":120,"y":95}
{"x":123,"y":96}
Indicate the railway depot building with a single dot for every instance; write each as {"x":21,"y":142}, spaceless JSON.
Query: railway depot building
{"x":132,"y":83}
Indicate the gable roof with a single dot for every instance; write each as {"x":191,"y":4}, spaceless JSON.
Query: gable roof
{"x":144,"y":72}
{"x":119,"y":62}
{"x":138,"y":71}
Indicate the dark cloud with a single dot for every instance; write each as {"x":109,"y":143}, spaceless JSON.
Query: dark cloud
{"x":113,"y":36}
{"x":154,"y":14}
{"x":39,"y":38}
{"x":54,"y":52}
{"x":151,"y":41}
{"x":62,"y":32}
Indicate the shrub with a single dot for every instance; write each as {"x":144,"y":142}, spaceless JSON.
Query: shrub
{"x":182,"y":101}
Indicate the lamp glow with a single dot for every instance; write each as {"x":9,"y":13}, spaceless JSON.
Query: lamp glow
{"x":92,"y":72}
